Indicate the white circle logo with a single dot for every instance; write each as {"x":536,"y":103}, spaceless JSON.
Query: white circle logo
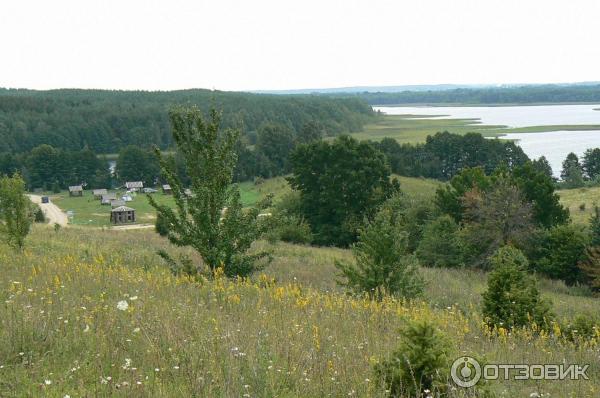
{"x":465,"y":372}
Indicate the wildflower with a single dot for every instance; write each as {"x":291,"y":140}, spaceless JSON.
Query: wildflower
{"x":123,"y":305}
{"x":47,"y":382}
{"x":136,"y":330}
{"x":133,"y":298}
{"x":176,"y":367}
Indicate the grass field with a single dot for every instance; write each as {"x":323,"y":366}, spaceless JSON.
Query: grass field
{"x":62,"y":332}
{"x":573,"y":199}
{"x":89,"y":212}
{"x":408,"y":129}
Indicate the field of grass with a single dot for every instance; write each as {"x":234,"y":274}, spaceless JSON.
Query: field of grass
{"x":62,"y":332}
{"x":409,"y":129}
{"x":573,"y":199}
{"x":88,"y":211}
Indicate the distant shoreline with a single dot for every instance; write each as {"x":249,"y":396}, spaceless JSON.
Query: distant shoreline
{"x":460,"y":104}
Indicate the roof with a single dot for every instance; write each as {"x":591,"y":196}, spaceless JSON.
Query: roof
{"x":166,"y":186}
{"x":117,"y":203}
{"x":102,"y":191}
{"x":122,"y":208}
{"x":75,"y":188}
{"x":109,"y":196}
{"x":134,"y":184}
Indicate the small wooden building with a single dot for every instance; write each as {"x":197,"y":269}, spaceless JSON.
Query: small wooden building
{"x":99,"y":192}
{"x":134,"y":185}
{"x":108,"y":198}
{"x":166,"y":188}
{"x":117,"y":203}
{"x":75,"y":190}
{"x":122,"y":215}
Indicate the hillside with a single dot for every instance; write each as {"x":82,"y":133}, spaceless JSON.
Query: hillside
{"x":65,"y":328}
{"x":106,"y":121}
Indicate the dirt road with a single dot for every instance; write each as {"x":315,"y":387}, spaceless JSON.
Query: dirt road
{"x":52,"y":212}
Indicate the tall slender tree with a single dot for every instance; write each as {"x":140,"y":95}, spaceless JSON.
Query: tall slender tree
{"x":210,"y":217}
{"x":15,"y":211}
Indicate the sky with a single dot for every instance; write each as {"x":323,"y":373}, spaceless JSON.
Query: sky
{"x":282,"y":44}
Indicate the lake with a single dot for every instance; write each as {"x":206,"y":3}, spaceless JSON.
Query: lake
{"x":511,"y":116}
{"x":554,"y":145}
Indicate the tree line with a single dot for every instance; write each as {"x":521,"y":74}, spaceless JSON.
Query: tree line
{"x":107,"y":121}
{"x":547,"y":93}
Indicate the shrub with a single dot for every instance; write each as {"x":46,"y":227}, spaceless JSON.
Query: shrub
{"x":161,"y":225}
{"x":440,"y":246}
{"x":383,"y":264}
{"x":38,"y":214}
{"x":420,"y":363}
{"x":561,"y":250}
{"x":581,"y":327}
{"x":512,"y":298}
{"x":294,"y":230}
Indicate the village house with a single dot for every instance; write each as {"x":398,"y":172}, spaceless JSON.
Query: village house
{"x":166,"y":188}
{"x":106,"y":199}
{"x":75,"y":190}
{"x":99,"y":192}
{"x":134,"y":186}
{"x":122,"y":215}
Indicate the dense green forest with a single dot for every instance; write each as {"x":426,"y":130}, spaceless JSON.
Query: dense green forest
{"x":107,"y":121}
{"x":529,"y":94}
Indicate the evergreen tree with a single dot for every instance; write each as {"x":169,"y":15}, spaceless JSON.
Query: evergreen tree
{"x":440,"y":246}
{"x":591,"y":163}
{"x":382,"y":262}
{"x":512,"y":298}
{"x":572,"y":173}
{"x":211,"y":218}
{"x":542,"y":165}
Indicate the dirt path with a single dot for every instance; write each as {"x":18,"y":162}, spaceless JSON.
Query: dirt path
{"x":52,"y":212}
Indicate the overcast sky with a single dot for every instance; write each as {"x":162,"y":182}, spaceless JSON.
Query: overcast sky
{"x":279,"y":44}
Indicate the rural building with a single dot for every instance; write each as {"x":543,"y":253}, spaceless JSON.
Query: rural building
{"x":99,"y":192}
{"x":122,"y":215}
{"x":75,"y":190}
{"x":117,"y":203}
{"x":106,"y":199}
{"x":134,"y":185}
{"x":166,"y":188}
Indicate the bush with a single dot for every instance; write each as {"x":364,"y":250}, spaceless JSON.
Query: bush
{"x":562,"y":248}
{"x":581,"y":327}
{"x":440,"y":246}
{"x":383,"y":264}
{"x":420,"y":363}
{"x":161,"y":226}
{"x":294,"y":230}
{"x":38,"y":215}
{"x":512,"y":298}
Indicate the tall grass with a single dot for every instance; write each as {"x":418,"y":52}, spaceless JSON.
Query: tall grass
{"x":286,"y":333}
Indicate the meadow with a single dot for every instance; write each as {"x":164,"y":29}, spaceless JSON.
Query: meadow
{"x":87,"y":211}
{"x":91,"y":312}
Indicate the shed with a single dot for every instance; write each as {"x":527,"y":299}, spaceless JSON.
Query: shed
{"x":106,"y":199}
{"x":75,"y":190}
{"x":122,"y":215}
{"x":134,"y":185}
{"x":99,"y":192}
{"x":117,"y":203}
{"x":166,"y":188}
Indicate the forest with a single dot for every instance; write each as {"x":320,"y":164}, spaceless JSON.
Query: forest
{"x":529,"y":94}
{"x":107,"y":121}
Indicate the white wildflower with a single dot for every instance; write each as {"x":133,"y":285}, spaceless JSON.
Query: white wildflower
{"x":123,"y":305}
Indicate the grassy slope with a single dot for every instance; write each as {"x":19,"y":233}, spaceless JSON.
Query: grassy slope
{"x":59,"y":322}
{"x":573,"y":198}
